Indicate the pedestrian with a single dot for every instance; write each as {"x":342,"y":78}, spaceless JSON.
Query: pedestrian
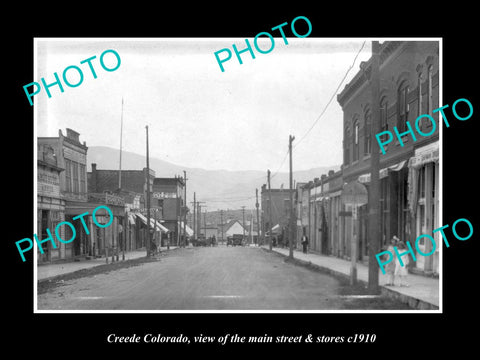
{"x":401,"y":271}
{"x":305,"y":243}
{"x":390,"y":268}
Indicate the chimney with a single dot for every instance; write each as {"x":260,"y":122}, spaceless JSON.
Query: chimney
{"x":331,"y":172}
{"x":93,"y":179}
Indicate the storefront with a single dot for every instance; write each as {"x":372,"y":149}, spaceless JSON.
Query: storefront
{"x":50,"y":203}
{"x":423,"y":201}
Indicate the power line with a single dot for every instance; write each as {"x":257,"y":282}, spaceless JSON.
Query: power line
{"x":332,"y":97}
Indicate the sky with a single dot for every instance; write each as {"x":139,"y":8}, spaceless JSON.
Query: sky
{"x":197,"y":115}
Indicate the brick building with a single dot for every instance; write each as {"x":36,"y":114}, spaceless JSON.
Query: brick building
{"x":280,"y":211}
{"x":409,"y":175}
{"x":71,"y":155}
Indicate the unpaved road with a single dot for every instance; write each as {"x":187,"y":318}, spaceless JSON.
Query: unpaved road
{"x":218,"y":278}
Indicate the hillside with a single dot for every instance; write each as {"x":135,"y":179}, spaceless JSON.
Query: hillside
{"x":220,"y":189}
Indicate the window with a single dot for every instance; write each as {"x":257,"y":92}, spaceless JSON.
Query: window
{"x":355,"y":140}
{"x":403,"y":107}
{"x":429,"y":89}
{"x":384,"y":117}
{"x":346,"y":141}
{"x":75,"y":176}
{"x":368,"y":133}
{"x":83,"y":187}
{"x":68,"y":175}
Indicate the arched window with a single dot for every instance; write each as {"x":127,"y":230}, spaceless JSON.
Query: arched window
{"x":355,"y":139}
{"x":402,"y":106}
{"x":368,"y":132}
{"x":346,"y":143}
{"x":429,"y":88}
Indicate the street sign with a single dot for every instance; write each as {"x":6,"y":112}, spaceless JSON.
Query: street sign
{"x":354,"y":193}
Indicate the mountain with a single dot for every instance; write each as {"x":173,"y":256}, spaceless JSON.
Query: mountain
{"x":219,"y":189}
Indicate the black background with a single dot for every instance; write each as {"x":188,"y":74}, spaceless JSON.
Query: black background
{"x":61,"y":335}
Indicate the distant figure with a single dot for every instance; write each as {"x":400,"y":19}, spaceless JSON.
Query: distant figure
{"x":390,"y":268}
{"x":305,"y":243}
{"x":402,"y":271}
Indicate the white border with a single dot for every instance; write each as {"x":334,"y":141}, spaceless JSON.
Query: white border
{"x":35,"y":296}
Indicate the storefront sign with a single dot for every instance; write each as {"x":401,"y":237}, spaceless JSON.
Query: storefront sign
{"x":99,"y":216}
{"x":164,"y":195}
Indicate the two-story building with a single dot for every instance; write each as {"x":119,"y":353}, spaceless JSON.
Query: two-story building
{"x":50,"y":201}
{"x":169,"y":193}
{"x":409,"y":170}
{"x":278,"y":212}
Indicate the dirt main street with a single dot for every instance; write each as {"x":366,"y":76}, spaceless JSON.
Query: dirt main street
{"x":212,"y":278}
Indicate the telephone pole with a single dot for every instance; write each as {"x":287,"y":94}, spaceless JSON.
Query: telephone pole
{"x":374,"y":191}
{"x":120,"y":161}
{"x":205,"y":222}
{"x":258,"y":216}
{"x":185,"y":210}
{"x":290,"y":254}
{"x":221,"y":222}
{"x":147,"y":243}
{"x":269,"y":210}
{"x":243,"y":214}
{"x":194,"y":216}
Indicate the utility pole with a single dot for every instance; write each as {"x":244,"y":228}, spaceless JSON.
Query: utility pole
{"x":120,"y":162}
{"x":147,"y":243}
{"x":290,"y":255}
{"x":205,"y":222}
{"x":185,"y":212}
{"x":199,"y":217}
{"x":243,"y":214}
{"x":221,"y":222}
{"x":258,"y":216}
{"x":270,"y":210}
{"x":374,"y":191}
{"x":194,"y":216}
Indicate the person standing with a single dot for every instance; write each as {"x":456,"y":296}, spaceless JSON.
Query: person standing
{"x":402,"y":271}
{"x":305,"y":243}
{"x":391,"y":266}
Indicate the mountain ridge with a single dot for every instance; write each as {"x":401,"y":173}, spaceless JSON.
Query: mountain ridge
{"x":219,"y":188}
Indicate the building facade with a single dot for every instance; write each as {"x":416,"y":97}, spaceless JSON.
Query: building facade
{"x":133,"y":192}
{"x":280,"y":212}
{"x":409,"y":169}
{"x":50,"y":201}
{"x":71,"y":155}
{"x":169,"y":195}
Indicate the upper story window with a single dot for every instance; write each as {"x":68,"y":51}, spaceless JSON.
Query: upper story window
{"x":402,"y":106}
{"x":355,"y":140}
{"x":430,"y":89}
{"x":368,"y":133}
{"x":346,"y":142}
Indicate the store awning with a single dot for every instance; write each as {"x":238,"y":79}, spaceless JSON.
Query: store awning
{"x":365,"y":178}
{"x":424,"y":155}
{"x":187,"y":228}
{"x":159,"y":226}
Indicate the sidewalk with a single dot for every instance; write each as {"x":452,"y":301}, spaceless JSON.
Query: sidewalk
{"x":49,"y":270}
{"x":422,"y":294}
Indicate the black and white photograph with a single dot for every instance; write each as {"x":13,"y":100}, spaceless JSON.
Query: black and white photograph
{"x":224,"y":183}
{"x":242,"y":189}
